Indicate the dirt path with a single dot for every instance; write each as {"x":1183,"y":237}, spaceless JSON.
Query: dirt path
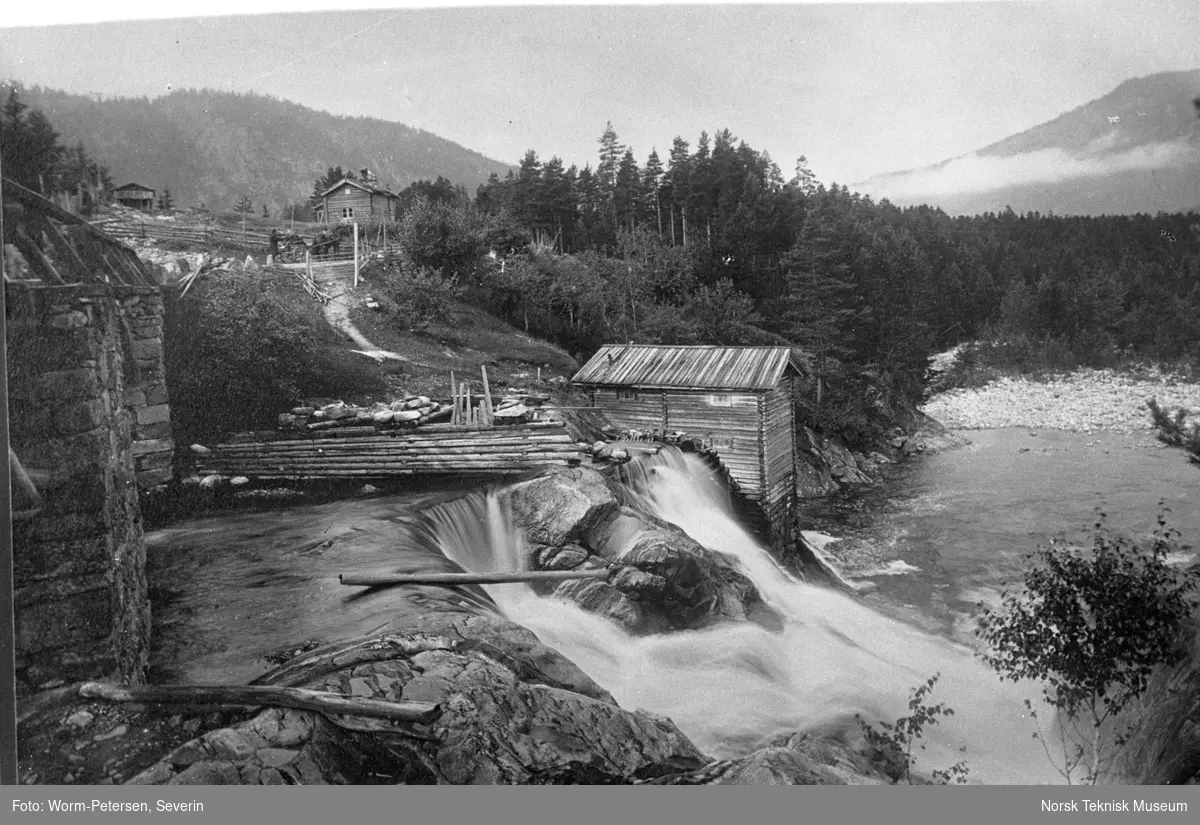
{"x":335,"y":280}
{"x":337,"y":313}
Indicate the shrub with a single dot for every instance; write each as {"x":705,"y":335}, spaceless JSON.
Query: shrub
{"x":894,"y":743}
{"x":423,"y":297}
{"x":242,"y":347}
{"x":1091,"y":624}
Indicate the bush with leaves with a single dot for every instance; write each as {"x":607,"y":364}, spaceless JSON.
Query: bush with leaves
{"x":423,"y":297}
{"x":893,"y":743}
{"x":243,"y":346}
{"x":438,"y":235}
{"x":1091,"y":624}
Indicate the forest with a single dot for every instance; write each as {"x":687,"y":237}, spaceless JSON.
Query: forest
{"x":715,"y":246}
{"x":712,"y":244}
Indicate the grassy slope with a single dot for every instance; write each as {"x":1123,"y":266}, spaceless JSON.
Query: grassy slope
{"x":471,"y":338}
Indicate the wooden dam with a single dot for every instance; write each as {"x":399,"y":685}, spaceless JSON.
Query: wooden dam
{"x":735,"y":405}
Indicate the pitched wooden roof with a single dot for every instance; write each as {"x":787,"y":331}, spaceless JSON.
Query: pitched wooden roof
{"x":696,"y":367}
{"x":366,"y":187}
{"x":61,"y":248}
{"x":129,"y":187}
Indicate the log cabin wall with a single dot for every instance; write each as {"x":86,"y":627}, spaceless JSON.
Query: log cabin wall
{"x":730,"y":423}
{"x":365,"y":205}
{"x":779,"y":458}
{"x":630,"y":408}
{"x":738,"y":399}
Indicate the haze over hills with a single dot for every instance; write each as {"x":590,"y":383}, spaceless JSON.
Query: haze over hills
{"x":1137,"y":149}
{"x":213,"y":147}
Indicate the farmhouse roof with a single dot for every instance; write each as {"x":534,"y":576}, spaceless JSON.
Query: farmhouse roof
{"x":366,"y":187}
{"x":129,"y":187}
{"x":694,"y":367}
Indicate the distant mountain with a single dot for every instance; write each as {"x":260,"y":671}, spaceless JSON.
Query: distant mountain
{"x":1137,"y":149}
{"x":213,"y":147}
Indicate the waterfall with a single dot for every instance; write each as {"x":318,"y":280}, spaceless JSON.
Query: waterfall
{"x":731,"y":685}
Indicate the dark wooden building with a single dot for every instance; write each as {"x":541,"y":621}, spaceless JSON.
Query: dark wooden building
{"x":741,"y":400}
{"x":351,"y":200}
{"x":135,"y":195}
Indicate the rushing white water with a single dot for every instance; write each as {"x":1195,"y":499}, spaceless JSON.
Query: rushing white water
{"x":730,"y":686}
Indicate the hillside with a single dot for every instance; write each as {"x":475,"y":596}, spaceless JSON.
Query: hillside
{"x":1137,"y":149}
{"x":212,"y":148}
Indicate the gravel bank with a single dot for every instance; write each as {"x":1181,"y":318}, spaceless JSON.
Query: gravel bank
{"x":1083,"y":401}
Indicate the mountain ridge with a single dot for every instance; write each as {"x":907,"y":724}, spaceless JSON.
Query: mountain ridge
{"x":211,"y":147}
{"x":1135,"y":149}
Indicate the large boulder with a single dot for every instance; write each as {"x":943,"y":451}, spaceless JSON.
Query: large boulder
{"x":514,"y":712}
{"x":561,"y":505}
{"x":661,"y":578}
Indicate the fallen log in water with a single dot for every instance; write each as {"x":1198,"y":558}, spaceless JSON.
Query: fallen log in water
{"x":373,"y":580}
{"x":264,"y":696}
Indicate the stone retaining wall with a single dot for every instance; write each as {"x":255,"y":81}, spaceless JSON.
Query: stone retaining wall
{"x":88,"y":407}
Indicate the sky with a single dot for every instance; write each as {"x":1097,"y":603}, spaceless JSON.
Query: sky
{"x":858,"y":89}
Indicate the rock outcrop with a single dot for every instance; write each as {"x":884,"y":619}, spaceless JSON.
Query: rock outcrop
{"x":514,"y":712}
{"x":788,"y":759}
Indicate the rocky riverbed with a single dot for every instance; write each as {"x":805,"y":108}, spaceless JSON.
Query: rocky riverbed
{"x":1082,"y":401}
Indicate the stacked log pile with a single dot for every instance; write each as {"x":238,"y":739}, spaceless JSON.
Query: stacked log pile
{"x":406,"y":413}
{"x":364,"y":452}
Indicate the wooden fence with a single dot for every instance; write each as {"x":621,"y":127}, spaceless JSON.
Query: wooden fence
{"x":162,"y":231}
{"x":369,"y":245}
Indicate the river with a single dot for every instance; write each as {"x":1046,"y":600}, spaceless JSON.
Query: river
{"x":940,"y":533}
{"x":945,"y":531}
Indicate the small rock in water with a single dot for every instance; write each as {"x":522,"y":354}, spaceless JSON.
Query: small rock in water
{"x":115,"y":733}
{"x":81,"y":719}
{"x":367,"y":489}
{"x":238,"y":481}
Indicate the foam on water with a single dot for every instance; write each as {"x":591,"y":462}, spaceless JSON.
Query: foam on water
{"x":730,"y":686}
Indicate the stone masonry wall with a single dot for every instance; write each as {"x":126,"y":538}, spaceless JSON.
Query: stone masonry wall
{"x":88,"y":406}
{"x":146,"y":388}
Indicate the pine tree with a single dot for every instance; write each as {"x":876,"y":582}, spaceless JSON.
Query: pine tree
{"x":679,"y":182}
{"x":164,"y":200}
{"x":627,"y":195}
{"x":652,"y":179}
{"x":31,"y":152}
{"x":611,"y":151}
{"x":527,"y":194}
{"x":804,"y":180}
{"x":822,"y":311}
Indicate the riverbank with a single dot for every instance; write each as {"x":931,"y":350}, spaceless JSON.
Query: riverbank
{"x":1082,"y":401}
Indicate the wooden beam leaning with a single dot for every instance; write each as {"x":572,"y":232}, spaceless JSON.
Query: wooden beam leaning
{"x":264,"y":695}
{"x":375,"y":580}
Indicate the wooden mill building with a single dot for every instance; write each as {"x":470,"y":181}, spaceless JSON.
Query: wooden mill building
{"x":740,"y":400}
{"x":135,"y":195}
{"x":351,"y":200}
